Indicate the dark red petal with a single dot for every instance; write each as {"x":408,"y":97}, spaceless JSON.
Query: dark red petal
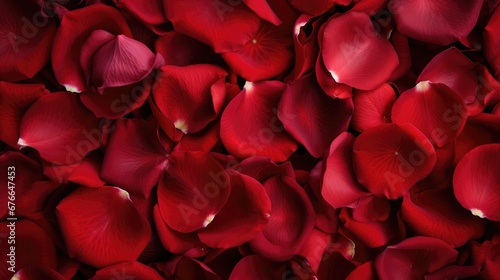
{"x":85,"y":172}
{"x":173,"y":241}
{"x":62,"y":134}
{"x":492,"y":41}
{"x":150,"y":13}
{"x":340,"y":187}
{"x":365,"y":271}
{"x":254,"y":267}
{"x":371,"y":208}
{"x":204,"y":140}
{"x":373,"y":107}
{"x":390,"y":158}
{"x":115,"y":103}
{"x":127,"y":270}
{"x":25,"y":41}
{"x":291,"y":220}
{"x":476,"y":179}
{"x":372,"y":233}
{"x":15,"y":100}
{"x":76,"y":26}
{"x":190,"y":97}
{"x":306,"y":112}
{"x":437,"y":22}
{"x":263,"y":10}
{"x":414,"y":258}
{"x":314,"y":247}
{"x":181,"y":50}
{"x":444,"y":116}
{"x":188,"y":268}
{"x":110,"y":65}
{"x":358,"y":58}
{"x":250,"y":126}
{"x":134,"y":157}
{"x":225,"y":26}
{"x":101,"y":226}
{"x":262,"y":168}
{"x":316,"y":8}
{"x":194,"y":190}
{"x":456,"y":71}
{"x":37,"y":273}
{"x":244,"y":215}
{"x":436,"y":213}
{"x":455,"y":272}
{"x":33,"y":246}
{"x":402,"y":48}
{"x":28,"y":171}
{"x":34,"y":198}
{"x":266,"y":54}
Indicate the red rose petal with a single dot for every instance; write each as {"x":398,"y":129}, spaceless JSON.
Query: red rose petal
{"x":340,"y":186}
{"x":33,"y":246}
{"x":358,"y":58}
{"x":62,"y":134}
{"x":454,"y":272}
{"x":116,"y":102}
{"x":150,"y":13}
{"x":455,"y":70}
{"x":101,"y":226}
{"x":316,"y":8}
{"x":291,"y":220}
{"x":188,"y":268}
{"x":37,"y":273}
{"x":414,"y":258}
{"x":306,"y":113}
{"x":476,"y":180}
{"x":254,"y":267}
{"x":173,"y":241}
{"x":71,"y":36}
{"x":390,"y":158}
{"x":244,"y":215}
{"x":190,"y":97}
{"x":267,"y":54}
{"x":263,"y":10}
{"x":250,"y":126}
{"x":436,"y":213}
{"x":134,"y":157}
{"x":25,"y":41}
{"x":402,"y":48}
{"x":373,"y":107}
{"x":194,"y":190}
{"x":492,"y":42}
{"x":444,"y":116}
{"x":371,"y":208}
{"x":127,"y":270}
{"x":15,"y":100}
{"x":365,"y":271}
{"x":437,"y":22}
{"x":231,"y":23}
{"x":85,"y":173}
{"x":373,"y":233}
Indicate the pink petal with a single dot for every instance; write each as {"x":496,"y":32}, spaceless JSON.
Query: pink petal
{"x":373,"y":107}
{"x":194,"y":190}
{"x":360,"y":59}
{"x":306,"y":114}
{"x":62,"y":134}
{"x":76,"y":26}
{"x":444,"y":116}
{"x":437,"y":22}
{"x":244,"y":215}
{"x":190,"y":97}
{"x":101,"y":226}
{"x":390,"y":158}
{"x":475,"y":181}
{"x":134,"y":157}
{"x":250,"y":126}
{"x":340,"y":186}
{"x":225,"y":26}
{"x":16,"y":100}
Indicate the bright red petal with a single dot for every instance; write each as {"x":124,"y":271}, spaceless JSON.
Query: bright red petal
{"x":390,"y":158}
{"x":250,"y":126}
{"x":101,"y":226}
{"x":62,"y":134}
{"x":85,"y":172}
{"x":355,"y":55}
{"x":439,"y":22}
{"x":436,"y":110}
{"x":373,"y":107}
{"x":476,"y":181}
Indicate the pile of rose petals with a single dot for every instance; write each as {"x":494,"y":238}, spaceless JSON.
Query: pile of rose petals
{"x":250,"y":139}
